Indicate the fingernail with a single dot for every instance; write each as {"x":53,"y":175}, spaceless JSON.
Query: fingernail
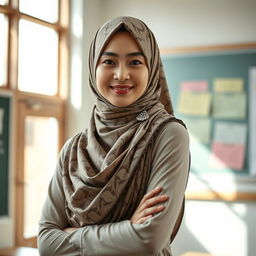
{"x":158,"y":188}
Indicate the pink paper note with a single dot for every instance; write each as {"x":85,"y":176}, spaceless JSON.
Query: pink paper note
{"x":227,"y":155}
{"x":194,"y":86}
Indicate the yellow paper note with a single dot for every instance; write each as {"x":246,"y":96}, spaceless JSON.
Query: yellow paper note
{"x":229,"y":105}
{"x":228,"y":84}
{"x":197,"y":104}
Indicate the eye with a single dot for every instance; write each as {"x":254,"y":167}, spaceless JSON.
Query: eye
{"x":109,"y":62}
{"x":135,"y":62}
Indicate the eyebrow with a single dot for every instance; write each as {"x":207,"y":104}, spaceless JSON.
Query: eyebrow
{"x":127,"y":55}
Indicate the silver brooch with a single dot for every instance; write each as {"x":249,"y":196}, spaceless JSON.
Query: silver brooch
{"x":142,"y":116}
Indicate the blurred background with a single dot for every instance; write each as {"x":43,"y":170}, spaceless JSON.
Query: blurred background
{"x":45,"y":99}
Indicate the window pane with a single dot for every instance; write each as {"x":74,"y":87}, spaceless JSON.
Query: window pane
{"x":42,"y":9}
{"x":38,"y":58}
{"x":41,"y":145}
{"x":2,"y":2}
{"x":3,"y":49}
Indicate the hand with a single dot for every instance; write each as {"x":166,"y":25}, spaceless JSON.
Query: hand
{"x":70,"y":229}
{"x":149,"y":206}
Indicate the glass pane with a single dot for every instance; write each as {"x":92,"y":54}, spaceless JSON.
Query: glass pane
{"x":3,"y":49}
{"x":2,"y":2}
{"x":43,"y":9}
{"x":38,"y":58}
{"x":41,"y":145}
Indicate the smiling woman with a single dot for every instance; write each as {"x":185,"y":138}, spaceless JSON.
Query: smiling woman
{"x":119,"y":186}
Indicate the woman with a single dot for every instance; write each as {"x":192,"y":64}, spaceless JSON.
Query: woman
{"x":119,"y":186}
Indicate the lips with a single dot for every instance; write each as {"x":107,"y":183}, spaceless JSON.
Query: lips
{"x":121,"y":88}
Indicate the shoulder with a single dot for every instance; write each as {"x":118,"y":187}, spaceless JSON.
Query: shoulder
{"x":71,"y":143}
{"x":172,"y":139}
{"x":173,"y":131}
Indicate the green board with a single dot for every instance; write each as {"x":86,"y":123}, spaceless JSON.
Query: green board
{"x":207,"y":67}
{"x":4,"y":153}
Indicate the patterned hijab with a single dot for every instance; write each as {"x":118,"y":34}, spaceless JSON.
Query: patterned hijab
{"x":108,"y":166}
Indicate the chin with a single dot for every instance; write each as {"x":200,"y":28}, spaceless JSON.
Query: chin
{"x":120,"y":104}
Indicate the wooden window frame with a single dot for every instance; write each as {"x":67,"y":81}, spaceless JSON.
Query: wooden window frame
{"x":50,"y":105}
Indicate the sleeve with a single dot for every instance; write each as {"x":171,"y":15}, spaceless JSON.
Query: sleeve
{"x":169,"y":170}
{"x":52,"y":240}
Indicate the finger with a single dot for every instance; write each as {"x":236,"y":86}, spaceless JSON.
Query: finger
{"x":153,"y":201}
{"x":143,"y":219}
{"x":152,"y":211}
{"x":151,"y":194}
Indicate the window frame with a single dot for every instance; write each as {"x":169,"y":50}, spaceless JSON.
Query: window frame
{"x":50,"y":105}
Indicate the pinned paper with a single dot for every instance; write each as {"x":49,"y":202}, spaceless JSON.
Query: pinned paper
{"x":230,"y":133}
{"x":229,"y":105}
{"x":227,"y":155}
{"x":199,"y":128}
{"x":197,"y":104}
{"x":228,"y":85}
{"x":194,"y":86}
{"x":1,"y":120}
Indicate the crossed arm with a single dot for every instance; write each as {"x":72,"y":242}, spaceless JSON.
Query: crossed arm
{"x":147,"y":232}
{"x":151,"y":203}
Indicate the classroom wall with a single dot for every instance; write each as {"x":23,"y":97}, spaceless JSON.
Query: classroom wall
{"x":179,"y":23}
{"x":220,"y":228}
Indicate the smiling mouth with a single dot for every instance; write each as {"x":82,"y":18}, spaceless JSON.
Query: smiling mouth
{"x":121,"y":89}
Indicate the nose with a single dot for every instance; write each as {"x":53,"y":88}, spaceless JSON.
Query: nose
{"x":122,"y":73}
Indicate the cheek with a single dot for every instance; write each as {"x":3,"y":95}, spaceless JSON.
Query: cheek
{"x":144,"y":78}
{"x":100,"y":78}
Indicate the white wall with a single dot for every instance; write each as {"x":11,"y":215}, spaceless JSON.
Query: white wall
{"x":223,"y":229}
{"x":191,"y":22}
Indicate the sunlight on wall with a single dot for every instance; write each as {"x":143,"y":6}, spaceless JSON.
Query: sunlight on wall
{"x":222,"y":230}
{"x":76,"y":81}
{"x":76,"y":59}
{"x":77,"y":26}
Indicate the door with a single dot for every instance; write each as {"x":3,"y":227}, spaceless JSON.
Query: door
{"x":39,"y":141}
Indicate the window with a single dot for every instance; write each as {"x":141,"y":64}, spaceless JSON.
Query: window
{"x":3,"y":48}
{"x":34,"y":73}
{"x":41,"y":147}
{"x":46,"y":10}
{"x":37,"y":71}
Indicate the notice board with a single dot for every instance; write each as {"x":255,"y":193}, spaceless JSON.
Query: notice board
{"x":216,"y":84}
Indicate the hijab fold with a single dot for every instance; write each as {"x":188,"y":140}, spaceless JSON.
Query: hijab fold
{"x":107,"y":169}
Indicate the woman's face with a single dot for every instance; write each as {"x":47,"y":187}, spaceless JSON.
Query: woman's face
{"x":122,"y":72}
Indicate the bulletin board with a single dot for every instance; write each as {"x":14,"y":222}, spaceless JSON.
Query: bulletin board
{"x":217,"y":82}
{"x":4,"y":152}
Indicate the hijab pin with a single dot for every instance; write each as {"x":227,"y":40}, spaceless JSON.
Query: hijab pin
{"x":142,"y":116}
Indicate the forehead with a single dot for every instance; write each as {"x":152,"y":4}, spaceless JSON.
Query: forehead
{"x":122,"y":41}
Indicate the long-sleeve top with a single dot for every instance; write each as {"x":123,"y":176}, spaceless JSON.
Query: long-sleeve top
{"x":170,"y":166}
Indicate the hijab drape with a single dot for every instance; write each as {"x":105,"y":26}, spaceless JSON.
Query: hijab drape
{"x":108,"y":166}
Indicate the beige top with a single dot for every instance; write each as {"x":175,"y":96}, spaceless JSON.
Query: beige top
{"x":169,"y":169}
